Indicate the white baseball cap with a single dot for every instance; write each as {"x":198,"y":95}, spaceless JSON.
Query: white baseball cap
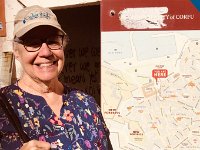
{"x":33,"y":16}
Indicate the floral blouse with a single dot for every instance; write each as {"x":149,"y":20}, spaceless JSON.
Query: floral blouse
{"x":79,"y":127}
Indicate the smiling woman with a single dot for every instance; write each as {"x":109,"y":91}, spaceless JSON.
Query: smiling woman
{"x":51,"y":114}
{"x":41,"y":55}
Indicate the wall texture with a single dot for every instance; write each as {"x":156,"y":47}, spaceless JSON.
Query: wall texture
{"x":82,"y":63}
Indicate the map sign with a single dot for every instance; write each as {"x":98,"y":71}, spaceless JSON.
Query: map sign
{"x":150,"y":74}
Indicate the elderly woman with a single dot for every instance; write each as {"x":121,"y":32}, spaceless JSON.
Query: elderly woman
{"x":52,"y":115}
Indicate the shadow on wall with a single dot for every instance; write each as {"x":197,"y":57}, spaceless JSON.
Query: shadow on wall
{"x":82,"y":55}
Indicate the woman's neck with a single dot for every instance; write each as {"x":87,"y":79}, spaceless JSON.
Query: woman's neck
{"x":36,"y":86}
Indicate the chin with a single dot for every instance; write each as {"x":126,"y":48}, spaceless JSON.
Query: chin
{"x":47,"y":78}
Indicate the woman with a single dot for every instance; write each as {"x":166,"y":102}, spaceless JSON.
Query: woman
{"x":51,"y":114}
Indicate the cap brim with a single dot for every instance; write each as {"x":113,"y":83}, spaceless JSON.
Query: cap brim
{"x":29,"y":27}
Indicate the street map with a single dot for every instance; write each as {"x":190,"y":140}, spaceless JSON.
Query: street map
{"x":150,"y":89}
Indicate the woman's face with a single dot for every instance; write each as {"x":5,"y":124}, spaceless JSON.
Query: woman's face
{"x":44,"y":64}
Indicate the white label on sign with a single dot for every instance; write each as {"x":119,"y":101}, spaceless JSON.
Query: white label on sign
{"x":143,"y":18}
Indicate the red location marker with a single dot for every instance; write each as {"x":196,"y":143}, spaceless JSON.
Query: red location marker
{"x":159,"y":73}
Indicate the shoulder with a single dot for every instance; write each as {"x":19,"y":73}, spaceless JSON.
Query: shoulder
{"x":74,"y":92}
{"x":9,"y":94}
{"x":8,"y":89}
{"x":80,"y":97}
{"x":5,"y":95}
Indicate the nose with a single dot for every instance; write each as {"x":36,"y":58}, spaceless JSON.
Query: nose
{"x":45,"y":51}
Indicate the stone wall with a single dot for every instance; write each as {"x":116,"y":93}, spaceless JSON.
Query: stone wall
{"x":6,"y":68}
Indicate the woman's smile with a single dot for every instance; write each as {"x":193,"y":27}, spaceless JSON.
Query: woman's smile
{"x":46,"y":64}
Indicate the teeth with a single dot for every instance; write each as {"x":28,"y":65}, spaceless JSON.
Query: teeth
{"x":46,"y":64}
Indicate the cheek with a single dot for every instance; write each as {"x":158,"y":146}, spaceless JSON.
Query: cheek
{"x":26,"y":58}
{"x":61,"y":61}
{"x":61,"y":56}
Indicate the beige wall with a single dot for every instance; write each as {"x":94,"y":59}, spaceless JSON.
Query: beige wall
{"x":6,"y":47}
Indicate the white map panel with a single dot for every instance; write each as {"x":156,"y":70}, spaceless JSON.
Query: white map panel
{"x":143,"y":114}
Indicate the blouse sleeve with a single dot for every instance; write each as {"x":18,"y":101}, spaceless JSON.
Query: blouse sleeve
{"x":107,"y":132}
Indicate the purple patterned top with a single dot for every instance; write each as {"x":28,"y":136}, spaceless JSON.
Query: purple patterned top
{"x":79,"y":127}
